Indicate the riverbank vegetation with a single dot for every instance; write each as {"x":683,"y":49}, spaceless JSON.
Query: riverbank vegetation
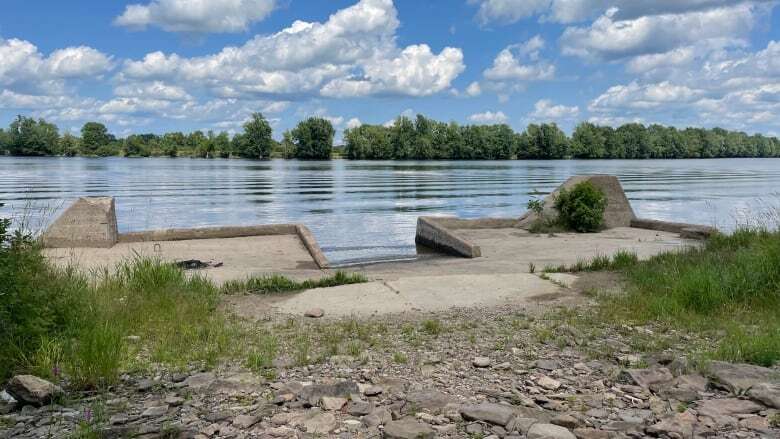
{"x":405,"y":139}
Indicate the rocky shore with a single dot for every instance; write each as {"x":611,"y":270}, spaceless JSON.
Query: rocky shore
{"x":489,"y":373}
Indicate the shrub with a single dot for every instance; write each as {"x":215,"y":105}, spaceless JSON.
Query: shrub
{"x":581,"y":208}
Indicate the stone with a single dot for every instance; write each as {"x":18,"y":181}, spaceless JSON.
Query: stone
{"x":548,"y":383}
{"x":548,"y":365}
{"x":245,"y":421}
{"x":314,"y":313}
{"x":118,"y":419}
{"x":320,"y":423}
{"x":590,"y":433}
{"x":359,"y":408}
{"x":727,"y":407}
{"x":408,"y":428}
{"x":766,"y":393}
{"x":377,"y":417}
{"x":474,"y":429}
{"x":200,"y":380}
{"x":738,"y":378}
{"x":332,"y":402}
{"x":155,"y":411}
{"x":481,"y":362}
{"x":30,"y":389}
{"x":372,"y":390}
{"x":549,"y":431}
{"x":88,"y":222}
{"x":646,"y":377}
{"x":174,"y":401}
{"x":566,"y":421}
{"x":7,"y":403}
{"x":145,"y":385}
{"x":496,"y":414}
{"x":679,"y":426}
{"x":314,"y":393}
{"x":431,"y":401}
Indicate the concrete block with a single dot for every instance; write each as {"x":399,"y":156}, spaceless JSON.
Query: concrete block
{"x":433,"y":235}
{"x":88,"y":222}
{"x":686,"y":231}
{"x":617,"y":214}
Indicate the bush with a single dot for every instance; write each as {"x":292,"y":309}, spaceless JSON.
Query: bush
{"x":581,"y":208}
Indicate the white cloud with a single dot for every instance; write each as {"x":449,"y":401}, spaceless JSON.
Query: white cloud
{"x":636,"y":96}
{"x":196,"y":16}
{"x":510,"y":67}
{"x":489,"y":118}
{"x":353,"y":53}
{"x":610,"y":38}
{"x":474,"y":89}
{"x":74,"y":62}
{"x":354,"y":123}
{"x":546,"y":110}
{"x":508,"y":11}
{"x":155,"y":89}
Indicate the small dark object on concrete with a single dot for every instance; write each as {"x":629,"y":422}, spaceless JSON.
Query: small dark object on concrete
{"x":195,"y":264}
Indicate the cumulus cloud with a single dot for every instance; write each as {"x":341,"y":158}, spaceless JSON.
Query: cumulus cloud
{"x":508,"y":11}
{"x":474,"y":89}
{"x":643,"y":96}
{"x":546,"y":110}
{"x":354,"y":123}
{"x":351,"y":54}
{"x":196,"y":16}
{"x":509,"y":65}
{"x":610,"y":38}
{"x":489,"y":118}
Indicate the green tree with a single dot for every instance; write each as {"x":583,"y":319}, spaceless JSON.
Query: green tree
{"x":69,"y":145}
{"x":29,"y":137}
{"x":94,"y":136}
{"x":588,"y":142}
{"x":313,"y":139}
{"x":256,"y":142}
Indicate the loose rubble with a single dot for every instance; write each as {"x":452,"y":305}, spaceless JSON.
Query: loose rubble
{"x":492,"y":374}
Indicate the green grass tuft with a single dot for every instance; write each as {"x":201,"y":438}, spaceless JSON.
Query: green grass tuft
{"x":275,"y":284}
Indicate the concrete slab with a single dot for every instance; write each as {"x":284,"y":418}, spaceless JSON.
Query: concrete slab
{"x":241,"y":257}
{"x":88,"y":222}
{"x":417,"y":294}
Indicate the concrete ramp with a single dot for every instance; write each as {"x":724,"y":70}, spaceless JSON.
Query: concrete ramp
{"x":617,"y":214}
{"x":421,"y":294}
{"x":88,"y":222}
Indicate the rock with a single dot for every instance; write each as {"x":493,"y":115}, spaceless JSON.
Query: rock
{"x":767,"y":394}
{"x":30,"y":389}
{"x":481,"y":362}
{"x":332,"y":402}
{"x":314,"y":313}
{"x":174,"y":401}
{"x":548,"y":383}
{"x":646,"y":377}
{"x":548,"y":365}
{"x":727,"y":407}
{"x":377,"y":417}
{"x":496,"y":414}
{"x":218,"y":415}
{"x":245,"y":421}
{"x":738,"y":378}
{"x":408,"y":428}
{"x":372,"y":390}
{"x":474,"y":429}
{"x":359,"y":408}
{"x":590,"y":433}
{"x":320,"y":423}
{"x":133,"y":338}
{"x":7,"y":403}
{"x":118,"y":419}
{"x":549,"y":431}
{"x":200,"y":380}
{"x":566,"y":421}
{"x":679,"y":426}
{"x":431,"y":401}
{"x":155,"y":411}
{"x":314,"y":393}
{"x":145,"y":385}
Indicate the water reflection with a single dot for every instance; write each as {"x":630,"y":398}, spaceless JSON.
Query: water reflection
{"x":368,"y":210}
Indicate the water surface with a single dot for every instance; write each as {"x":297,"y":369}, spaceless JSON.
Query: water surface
{"x":361,"y":210}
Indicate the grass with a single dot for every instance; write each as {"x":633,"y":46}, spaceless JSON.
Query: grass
{"x":275,"y":284}
{"x":730,"y":287}
{"x":621,"y":260}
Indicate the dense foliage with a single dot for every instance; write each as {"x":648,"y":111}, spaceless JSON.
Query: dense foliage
{"x":581,"y":208}
{"x":405,"y":139}
{"x":313,"y":139}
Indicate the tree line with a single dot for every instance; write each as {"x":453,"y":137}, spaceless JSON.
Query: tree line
{"x":311,"y":139}
{"x":405,"y":139}
{"x":425,"y":139}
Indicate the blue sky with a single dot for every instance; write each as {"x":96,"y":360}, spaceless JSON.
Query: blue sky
{"x":163,"y":65}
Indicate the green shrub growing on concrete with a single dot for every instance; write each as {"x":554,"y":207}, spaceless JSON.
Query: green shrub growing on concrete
{"x":581,"y":208}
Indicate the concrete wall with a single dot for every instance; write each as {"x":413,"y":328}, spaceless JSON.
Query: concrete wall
{"x":617,"y":214}
{"x":88,"y":222}
{"x":432,"y":234}
{"x":686,"y":231}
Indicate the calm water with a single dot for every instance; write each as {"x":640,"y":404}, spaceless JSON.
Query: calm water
{"x":368,"y":210}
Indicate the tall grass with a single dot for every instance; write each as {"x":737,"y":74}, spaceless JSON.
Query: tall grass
{"x":730,"y":285}
{"x":274,"y":284}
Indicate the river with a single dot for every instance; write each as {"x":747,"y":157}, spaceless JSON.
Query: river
{"x":363,"y":211}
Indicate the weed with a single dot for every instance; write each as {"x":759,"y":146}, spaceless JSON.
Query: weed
{"x":275,"y":284}
{"x":432,"y":327}
{"x":400,"y":358}
{"x":531,"y":267}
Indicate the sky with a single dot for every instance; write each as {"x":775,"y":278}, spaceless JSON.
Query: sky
{"x":180,"y":65}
